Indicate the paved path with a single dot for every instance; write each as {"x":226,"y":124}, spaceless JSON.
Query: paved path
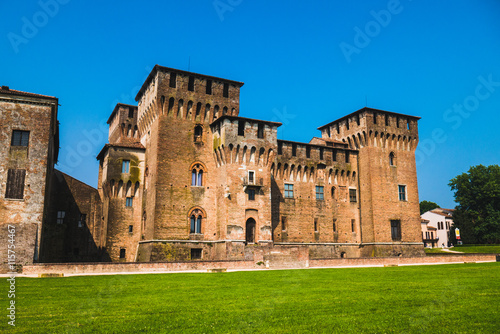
{"x":450,"y":251}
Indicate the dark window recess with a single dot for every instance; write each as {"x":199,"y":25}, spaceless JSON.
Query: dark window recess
{"x":130,"y":228}
{"x":83,"y":220}
{"x":357,"y":119}
{"x":173,"y":80}
{"x":308,"y":151}
{"x":334,"y":155}
{"x":294,"y":150}
{"x":195,"y":253}
{"x":15,"y":183}
{"x":251,"y":194}
{"x":408,"y":124}
{"x":130,"y":112}
{"x":386,"y":120}
{"x":283,"y":223}
{"x":315,"y":224}
{"x":347,"y":123}
{"x":225,"y":92}
{"x":352,"y":195}
{"x":334,"y":225}
{"x":353,"y":223}
{"x":397,"y":122}
{"x":20,"y":138}
{"x":191,"y":84}
{"x":346,"y":157}
{"x":171,"y":102}
{"x":209,"y":87}
{"x":241,"y":128}
{"x":328,"y":132}
{"x":374,"y":118}
{"x":280,"y":148}
{"x":396,"y":230}
{"x":321,"y":153}
{"x":338,"y":127}
{"x":260,"y":131}
{"x":122,"y":253}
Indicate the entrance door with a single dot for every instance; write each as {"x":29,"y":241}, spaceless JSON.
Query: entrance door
{"x":250,"y":231}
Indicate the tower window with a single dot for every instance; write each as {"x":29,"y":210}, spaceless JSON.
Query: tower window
{"x":197,"y":175}
{"x":241,"y":128}
{"x":408,"y":124}
{"x":346,"y":157}
{"x":320,"y":192}
{"x":82,"y":221}
{"x":122,"y":253}
{"x":352,"y":195}
{"x":375,"y":118}
{"x":60,"y":217}
{"x":280,"y":147}
{"x":196,"y":253}
{"x":402,"y":192}
{"x":15,"y":183}
{"x":225,"y":92}
{"x":294,"y":150}
{"x":308,"y":151}
{"x":396,"y":230}
{"x":129,"y":201}
{"x":173,"y":80}
{"x":353,"y":225}
{"x":126,"y":166}
{"x":251,"y":194}
{"x":20,"y":138}
{"x":209,"y":87}
{"x":334,"y":225}
{"x":283,"y":223}
{"x":288,"y":190}
{"x":315,"y":224}
{"x":130,"y":112}
{"x":334,"y":155}
{"x":198,"y":133}
{"x":251,"y":177}
{"x":397,"y":122}
{"x":321,"y":153}
{"x":392,"y":159}
{"x":196,"y":224}
{"x":260,"y":131}
{"x":130,"y":228}
{"x":191,"y":84}
{"x":386,"y":120}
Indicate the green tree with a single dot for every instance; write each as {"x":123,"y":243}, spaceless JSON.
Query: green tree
{"x":427,"y":206}
{"x":477,"y":214}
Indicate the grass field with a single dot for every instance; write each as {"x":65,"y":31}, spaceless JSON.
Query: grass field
{"x":485,"y":249}
{"x":460,"y":298}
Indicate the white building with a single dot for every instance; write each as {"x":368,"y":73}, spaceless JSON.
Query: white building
{"x":436,"y":226}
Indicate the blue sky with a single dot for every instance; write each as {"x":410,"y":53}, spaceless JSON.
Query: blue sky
{"x":303,"y":63}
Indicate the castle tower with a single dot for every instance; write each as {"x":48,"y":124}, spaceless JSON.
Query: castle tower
{"x":389,"y":204}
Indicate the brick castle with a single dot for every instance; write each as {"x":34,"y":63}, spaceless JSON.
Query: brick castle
{"x":184,"y":177}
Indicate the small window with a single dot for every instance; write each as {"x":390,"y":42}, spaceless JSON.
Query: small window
{"x":251,"y":177}
{"x":315,"y":224}
{"x":386,"y":120}
{"x":130,"y":228}
{"x":130,"y":112}
{"x":126,"y":166}
{"x":198,"y":134}
{"x":353,"y":225}
{"x":407,"y":124}
{"x":397,"y":122}
{"x":375,"y":118}
{"x":333,"y":192}
{"x":195,"y":253}
{"x":15,"y":183}
{"x":173,"y":80}
{"x":392,"y":159}
{"x":346,"y":157}
{"x":294,"y":150}
{"x":129,"y":201}
{"x":334,"y":226}
{"x":283,"y":223}
{"x":197,"y":176}
{"x":209,"y":87}
{"x":334,"y":155}
{"x":402,"y":192}
{"x":225,"y":92}
{"x":357,"y":120}
{"x":320,"y":193}
{"x":352,"y":195}
{"x":280,"y":147}
{"x":20,"y":138}
{"x":308,"y":151}
{"x":396,"y":230}
{"x":241,"y":128}
{"x":320,"y":153}
{"x":83,"y":220}
{"x":288,"y":190}
{"x":60,"y":217}
{"x":191,"y":84}
{"x":122,"y":253}
{"x":251,"y":194}
{"x":260,"y":131}
{"x":196,"y":224}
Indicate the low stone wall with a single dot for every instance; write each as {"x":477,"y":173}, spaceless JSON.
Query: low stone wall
{"x":272,"y":263}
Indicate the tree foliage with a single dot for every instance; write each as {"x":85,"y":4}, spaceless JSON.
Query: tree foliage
{"x":427,"y":206}
{"x":477,"y":214}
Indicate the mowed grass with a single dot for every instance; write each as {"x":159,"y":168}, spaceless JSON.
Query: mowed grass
{"x":460,"y":298}
{"x":489,"y":249}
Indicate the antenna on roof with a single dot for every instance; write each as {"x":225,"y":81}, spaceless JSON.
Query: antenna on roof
{"x":189,"y":63}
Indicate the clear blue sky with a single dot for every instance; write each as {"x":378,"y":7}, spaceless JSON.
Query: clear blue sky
{"x":303,"y":63}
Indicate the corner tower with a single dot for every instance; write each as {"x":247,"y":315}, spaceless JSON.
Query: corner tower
{"x":389,"y":205}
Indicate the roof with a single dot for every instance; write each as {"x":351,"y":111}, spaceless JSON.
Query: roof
{"x":123,"y":145}
{"x":367,"y":109}
{"x":244,"y":119}
{"x":329,"y":140}
{"x":169,"y":69}
{"x":118,"y":105}
{"x":316,"y":145}
{"x":8,"y":91}
{"x":443,"y":212}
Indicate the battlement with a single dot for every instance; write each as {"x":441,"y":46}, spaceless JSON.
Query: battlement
{"x":123,"y":124}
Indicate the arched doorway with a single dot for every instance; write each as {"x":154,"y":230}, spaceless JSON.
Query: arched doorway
{"x":250,"y":231}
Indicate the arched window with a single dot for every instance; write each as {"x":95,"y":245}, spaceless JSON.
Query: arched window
{"x":196,"y":217}
{"x":198,"y":134}
{"x":333,"y":192}
{"x":197,"y":171}
{"x":392,"y":159}
{"x":170,"y":105}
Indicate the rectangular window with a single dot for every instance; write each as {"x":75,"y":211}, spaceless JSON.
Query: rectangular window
{"x":288,"y":190}
{"x":321,"y":153}
{"x":251,"y":177}
{"x":191,"y":84}
{"x":346,"y":157}
{"x":130,"y":112}
{"x":122,"y":253}
{"x":396,"y":230}
{"x":173,"y":80}
{"x":82,"y":221}
{"x":195,"y":253}
{"x":308,"y":151}
{"x":353,"y":225}
{"x":374,"y":118}
{"x":126,"y":166}
{"x":225,"y":92}
{"x":280,"y":148}
{"x":129,"y":201}
{"x":386,"y":120}
{"x":251,"y":194}
{"x":315,"y":224}
{"x":15,"y":183}
{"x":334,"y":155}
{"x":130,"y":228}
{"x":209,"y":87}
{"x":320,"y":195}
{"x":283,"y":223}
{"x":260,"y":131}
{"x":352,"y":195}
{"x":402,"y":192}
{"x":334,"y":225}
{"x":20,"y":138}
{"x":397,"y":122}
{"x":408,"y":124}
{"x":294,"y":150}
{"x":241,"y":128}
{"x":60,"y":217}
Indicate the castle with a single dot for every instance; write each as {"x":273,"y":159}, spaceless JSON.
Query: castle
{"x":184,"y":177}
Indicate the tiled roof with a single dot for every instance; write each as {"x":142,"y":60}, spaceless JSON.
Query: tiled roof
{"x":8,"y":91}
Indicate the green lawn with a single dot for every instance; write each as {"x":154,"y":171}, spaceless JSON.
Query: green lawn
{"x":460,"y":298}
{"x":436,"y":250}
{"x":477,"y":249}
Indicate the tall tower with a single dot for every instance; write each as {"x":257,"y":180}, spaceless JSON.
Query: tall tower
{"x":389,"y":204}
